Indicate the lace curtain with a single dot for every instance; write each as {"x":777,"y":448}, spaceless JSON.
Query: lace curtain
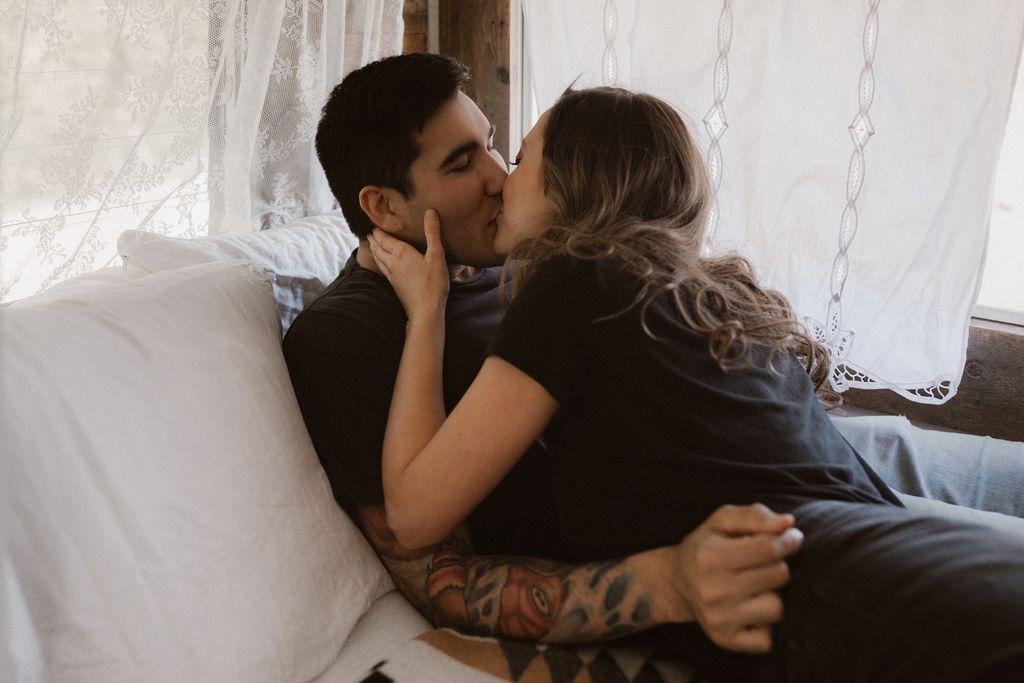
{"x":183,"y":117}
{"x":852,"y":145}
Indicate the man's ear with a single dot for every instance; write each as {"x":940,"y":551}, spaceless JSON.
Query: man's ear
{"x":379,"y":204}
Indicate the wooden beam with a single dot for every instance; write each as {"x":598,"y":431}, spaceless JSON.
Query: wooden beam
{"x":990,"y":399}
{"x":414,"y":14}
{"x":476,"y":32}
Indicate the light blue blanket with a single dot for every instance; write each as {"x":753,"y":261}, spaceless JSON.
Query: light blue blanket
{"x":975,"y":478}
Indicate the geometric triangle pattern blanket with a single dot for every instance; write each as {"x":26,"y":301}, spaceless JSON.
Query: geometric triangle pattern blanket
{"x":445,"y":656}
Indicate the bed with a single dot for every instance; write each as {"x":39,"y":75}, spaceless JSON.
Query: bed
{"x":164,"y":516}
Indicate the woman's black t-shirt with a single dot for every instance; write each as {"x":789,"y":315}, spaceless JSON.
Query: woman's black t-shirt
{"x":652,"y":436}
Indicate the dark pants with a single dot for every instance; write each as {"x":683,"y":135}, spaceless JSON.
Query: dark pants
{"x":880,"y":594}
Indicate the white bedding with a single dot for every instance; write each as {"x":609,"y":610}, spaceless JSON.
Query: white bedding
{"x":163,"y":515}
{"x":389,"y":623}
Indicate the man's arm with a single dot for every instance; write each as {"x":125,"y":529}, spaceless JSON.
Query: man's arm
{"x":723,"y":575}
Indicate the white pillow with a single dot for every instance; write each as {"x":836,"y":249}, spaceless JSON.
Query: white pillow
{"x":300,"y":258}
{"x":87,"y":282}
{"x":166,"y":517}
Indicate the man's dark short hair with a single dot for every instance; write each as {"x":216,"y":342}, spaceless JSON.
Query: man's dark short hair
{"x":368,"y":128}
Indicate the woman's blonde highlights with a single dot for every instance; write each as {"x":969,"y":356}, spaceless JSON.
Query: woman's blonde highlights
{"x":627,"y":182}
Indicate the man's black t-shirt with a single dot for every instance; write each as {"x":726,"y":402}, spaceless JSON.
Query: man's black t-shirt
{"x":652,"y":436}
{"x":343,"y":353}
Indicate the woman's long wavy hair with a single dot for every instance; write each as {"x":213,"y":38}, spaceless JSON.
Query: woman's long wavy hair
{"x":628,"y":183}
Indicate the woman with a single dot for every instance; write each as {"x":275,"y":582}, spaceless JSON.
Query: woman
{"x":666,"y":384}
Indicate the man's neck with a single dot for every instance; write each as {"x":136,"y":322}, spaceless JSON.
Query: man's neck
{"x":365,"y":260}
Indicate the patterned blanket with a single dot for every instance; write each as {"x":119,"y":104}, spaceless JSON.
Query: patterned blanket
{"x":444,"y":656}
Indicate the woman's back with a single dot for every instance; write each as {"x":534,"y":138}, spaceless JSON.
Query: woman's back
{"x":652,"y":436}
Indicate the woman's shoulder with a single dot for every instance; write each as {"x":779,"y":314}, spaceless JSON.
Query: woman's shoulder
{"x":595,"y":285}
{"x":595,"y":271}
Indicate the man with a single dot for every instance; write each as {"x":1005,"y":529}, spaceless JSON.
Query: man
{"x":398,"y":137}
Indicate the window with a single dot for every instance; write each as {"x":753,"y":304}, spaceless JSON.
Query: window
{"x":1002,"y":288}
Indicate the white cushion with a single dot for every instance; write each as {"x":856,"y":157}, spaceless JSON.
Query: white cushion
{"x":300,"y":258}
{"x":88,"y":281}
{"x":165,"y":517}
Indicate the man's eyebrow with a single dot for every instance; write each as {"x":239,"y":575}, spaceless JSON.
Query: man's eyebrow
{"x":459,"y":151}
{"x":465,"y":149}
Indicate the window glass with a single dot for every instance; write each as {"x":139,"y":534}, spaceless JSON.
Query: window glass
{"x":1002,"y":288}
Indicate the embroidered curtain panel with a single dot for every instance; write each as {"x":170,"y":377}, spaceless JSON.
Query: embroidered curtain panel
{"x":183,"y":117}
{"x":852,"y":143}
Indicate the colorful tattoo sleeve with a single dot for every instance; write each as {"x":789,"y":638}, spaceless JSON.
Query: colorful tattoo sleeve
{"x":513,"y":597}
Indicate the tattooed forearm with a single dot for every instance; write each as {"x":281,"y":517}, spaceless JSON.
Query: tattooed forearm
{"x":516,"y":597}
{"x":528,"y":599}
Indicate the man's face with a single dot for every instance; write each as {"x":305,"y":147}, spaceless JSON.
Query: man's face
{"x":460,"y":174}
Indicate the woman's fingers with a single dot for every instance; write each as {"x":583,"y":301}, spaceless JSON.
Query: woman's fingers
{"x":421,"y":282}
{"x":380,"y":256}
{"x":432,"y":232}
{"x":381,"y":245}
{"x":385,"y":242}
{"x":383,"y":267}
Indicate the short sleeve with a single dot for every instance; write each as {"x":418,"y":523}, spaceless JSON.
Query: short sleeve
{"x":343,"y":371}
{"x":547,"y":330}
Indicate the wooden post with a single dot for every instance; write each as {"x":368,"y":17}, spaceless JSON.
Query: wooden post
{"x":476,"y":32}
{"x":414,"y":13}
{"x":990,"y":399}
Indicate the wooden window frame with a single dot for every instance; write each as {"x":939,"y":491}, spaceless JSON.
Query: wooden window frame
{"x":990,"y":398}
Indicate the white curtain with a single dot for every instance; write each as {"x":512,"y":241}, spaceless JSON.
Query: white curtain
{"x":183,"y":117}
{"x":853,"y":144}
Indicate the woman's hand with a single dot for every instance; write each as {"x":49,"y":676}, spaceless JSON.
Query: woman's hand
{"x":420,"y":280}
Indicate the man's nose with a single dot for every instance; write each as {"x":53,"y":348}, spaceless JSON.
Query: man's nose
{"x":496,"y":172}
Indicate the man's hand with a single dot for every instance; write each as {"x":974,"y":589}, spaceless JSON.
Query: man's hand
{"x":728,"y":571}
{"x":420,"y":280}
